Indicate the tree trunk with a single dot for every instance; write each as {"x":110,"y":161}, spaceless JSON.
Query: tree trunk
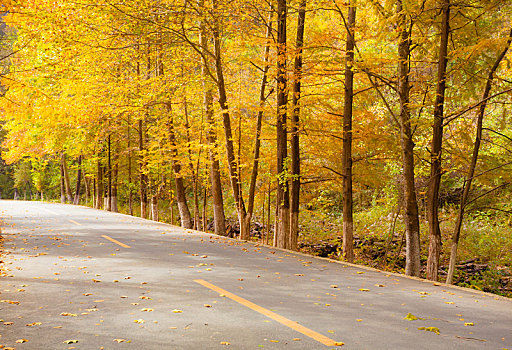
{"x":87,"y":183}
{"x":204,"y":220}
{"x":62,"y":186}
{"x":412,"y":225}
{"x":233,"y":166}
{"x":348,"y":220}
{"x":216,"y":185}
{"x":154,"y":208}
{"x":434,"y":249}
{"x":257,"y":142}
{"x":130,"y":191}
{"x":115,"y":175}
{"x":76,"y":200}
{"x":192,"y":169}
{"x":474,"y":159}
{"x":181,"y":197}
{"x":143,"y":176}
{"x":283,"y":200}
{"x":295,"y":130}
{"x":67,"y":185}
{"x":108,"y":205}
{"x":99,"y":186}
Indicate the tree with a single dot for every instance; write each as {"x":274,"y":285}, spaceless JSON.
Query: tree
{"x":468,"y":180}
{"x":295,"y":129}
{"x":348,"y":220}
{"x":412,"y":225}
{"x":434,"y":250}
{"x":282,"y":230}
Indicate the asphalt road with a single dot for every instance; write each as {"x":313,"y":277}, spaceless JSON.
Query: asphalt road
{"x":111,"y":281}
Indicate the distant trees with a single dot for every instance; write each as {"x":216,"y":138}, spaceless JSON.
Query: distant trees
{"x":199,"y":112}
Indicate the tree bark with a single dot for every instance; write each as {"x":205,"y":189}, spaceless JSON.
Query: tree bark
{"x":76,"y":200}
{"x":181,"y":197}
{"x":259,"y":122}
{"x":67,"y":185}
{"x":192,"y":169}
{"x":99,"y":185}
{"x":216,"y":185}
{"x":130,"y":191}
{"x":474,"y":159}
{"x":233,"y":165}
{"x":412,"y":225}
{"x":295,"y":131}
{"x":434,"y":249}
{"x":62,"y":186}
{"x":283,"y":201}
{"x":154,"y":207}
{"x":109,"y":175}
{"x":87,"y":183}
{"x":143,"y":183}
{"x":348,"y":220}
{"x":115,"y":184}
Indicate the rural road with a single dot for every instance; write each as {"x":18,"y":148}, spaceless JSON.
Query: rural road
{"x":79,"y":278}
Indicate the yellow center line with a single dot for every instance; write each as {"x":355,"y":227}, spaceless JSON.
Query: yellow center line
{"x":116,"y":241}
{"x":283,"y":320}
{"x":74,"y":222}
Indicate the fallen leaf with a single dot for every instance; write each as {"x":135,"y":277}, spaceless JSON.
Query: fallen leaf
{"x":469,"y":324}
{"x":96,"y":281}
{"x":334,"y":286}
{"x":430,"y":329}
{"x":176,"y":311}
{"x":139,"y":321}
{"x":20,"y":341}
{"x":225,"y":343}
{"x":364,"y":290}
{"x":73,"y":341}
{"x":120,"y":340}
{"x":207,"y":305}
{"x":87,"y":294}
{"x":8,"y":323}
{"x":33,"y":324}
{"x":338,"y":343}
{"x":68,"y":314}
{"x":10,"y":302}
{"x":379,"y":285}
{"x":146,"y":310}
{"x":411,"y":317}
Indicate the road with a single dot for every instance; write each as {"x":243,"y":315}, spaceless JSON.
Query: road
{"x":79,"y":278}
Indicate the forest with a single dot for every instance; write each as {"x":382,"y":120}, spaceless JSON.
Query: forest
{"x":370,"y":131}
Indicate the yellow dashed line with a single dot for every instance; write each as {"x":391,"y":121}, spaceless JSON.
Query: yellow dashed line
{"x":283,"y":320}
{"x":74,"y":222}
{"x":116,"y":241}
